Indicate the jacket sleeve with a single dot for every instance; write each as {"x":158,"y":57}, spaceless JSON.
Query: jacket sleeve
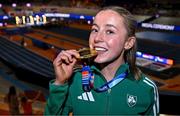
{"x":154,"y":107}
{"x":57,"y":99}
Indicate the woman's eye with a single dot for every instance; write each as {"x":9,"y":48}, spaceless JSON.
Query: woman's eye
{"x":109,"y":32}
{"x":93,"y":30}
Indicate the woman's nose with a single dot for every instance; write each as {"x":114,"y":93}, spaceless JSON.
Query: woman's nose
{"x":98,"y":37}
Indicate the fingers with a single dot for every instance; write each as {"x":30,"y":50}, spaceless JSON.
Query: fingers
{"x":68,"y":57}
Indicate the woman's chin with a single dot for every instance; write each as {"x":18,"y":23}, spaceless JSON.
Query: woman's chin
{"x":99,"y":60}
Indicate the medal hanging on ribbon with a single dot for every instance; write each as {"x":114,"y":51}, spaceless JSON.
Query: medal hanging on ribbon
{"x":86,"y":55}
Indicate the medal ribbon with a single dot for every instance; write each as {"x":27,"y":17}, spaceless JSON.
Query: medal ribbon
{"x":88,"y":81}
{"x":111,"y":83}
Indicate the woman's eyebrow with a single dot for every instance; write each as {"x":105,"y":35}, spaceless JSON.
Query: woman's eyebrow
{"x":107,"y":25}
{"x":110,"y":25}
{"x":94,"y":24}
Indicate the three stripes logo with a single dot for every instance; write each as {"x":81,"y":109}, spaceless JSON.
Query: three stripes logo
{"x":86,"y":96}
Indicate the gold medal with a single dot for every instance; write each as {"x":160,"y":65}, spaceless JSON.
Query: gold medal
{"x":86,"y":57}
{"x":86,"y":53}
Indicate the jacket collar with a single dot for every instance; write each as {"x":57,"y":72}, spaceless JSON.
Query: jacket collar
{"x":122,"y":68}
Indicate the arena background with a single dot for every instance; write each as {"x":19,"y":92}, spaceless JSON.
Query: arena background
{"x":33,"y":32}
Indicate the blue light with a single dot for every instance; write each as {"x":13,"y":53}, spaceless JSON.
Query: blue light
{"x":153,"y":58}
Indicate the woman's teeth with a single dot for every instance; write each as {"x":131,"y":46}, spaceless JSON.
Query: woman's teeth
{"x":100,"y":49}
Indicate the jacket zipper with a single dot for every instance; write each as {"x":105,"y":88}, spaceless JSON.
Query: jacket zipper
{"x":108,"y":101}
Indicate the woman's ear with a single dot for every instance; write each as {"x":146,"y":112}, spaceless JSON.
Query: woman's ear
{"x":129,"y":43}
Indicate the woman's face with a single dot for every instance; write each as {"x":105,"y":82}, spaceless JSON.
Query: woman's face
{"x":107,"y":37}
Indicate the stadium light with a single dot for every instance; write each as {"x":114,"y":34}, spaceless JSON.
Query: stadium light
{"x":14,"y":5}
{"x":28,"y":4}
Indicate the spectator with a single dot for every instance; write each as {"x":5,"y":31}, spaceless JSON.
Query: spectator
{"x":12,"y":100}
{"x":26,"y":104}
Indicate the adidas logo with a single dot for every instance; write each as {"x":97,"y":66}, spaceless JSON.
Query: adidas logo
{"x":86,"y":96}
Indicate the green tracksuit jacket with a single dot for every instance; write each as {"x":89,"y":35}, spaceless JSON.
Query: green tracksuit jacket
{"x":129,"y":97}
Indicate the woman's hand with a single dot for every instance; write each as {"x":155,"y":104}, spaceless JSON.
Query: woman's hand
{"x":63,"y":65}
